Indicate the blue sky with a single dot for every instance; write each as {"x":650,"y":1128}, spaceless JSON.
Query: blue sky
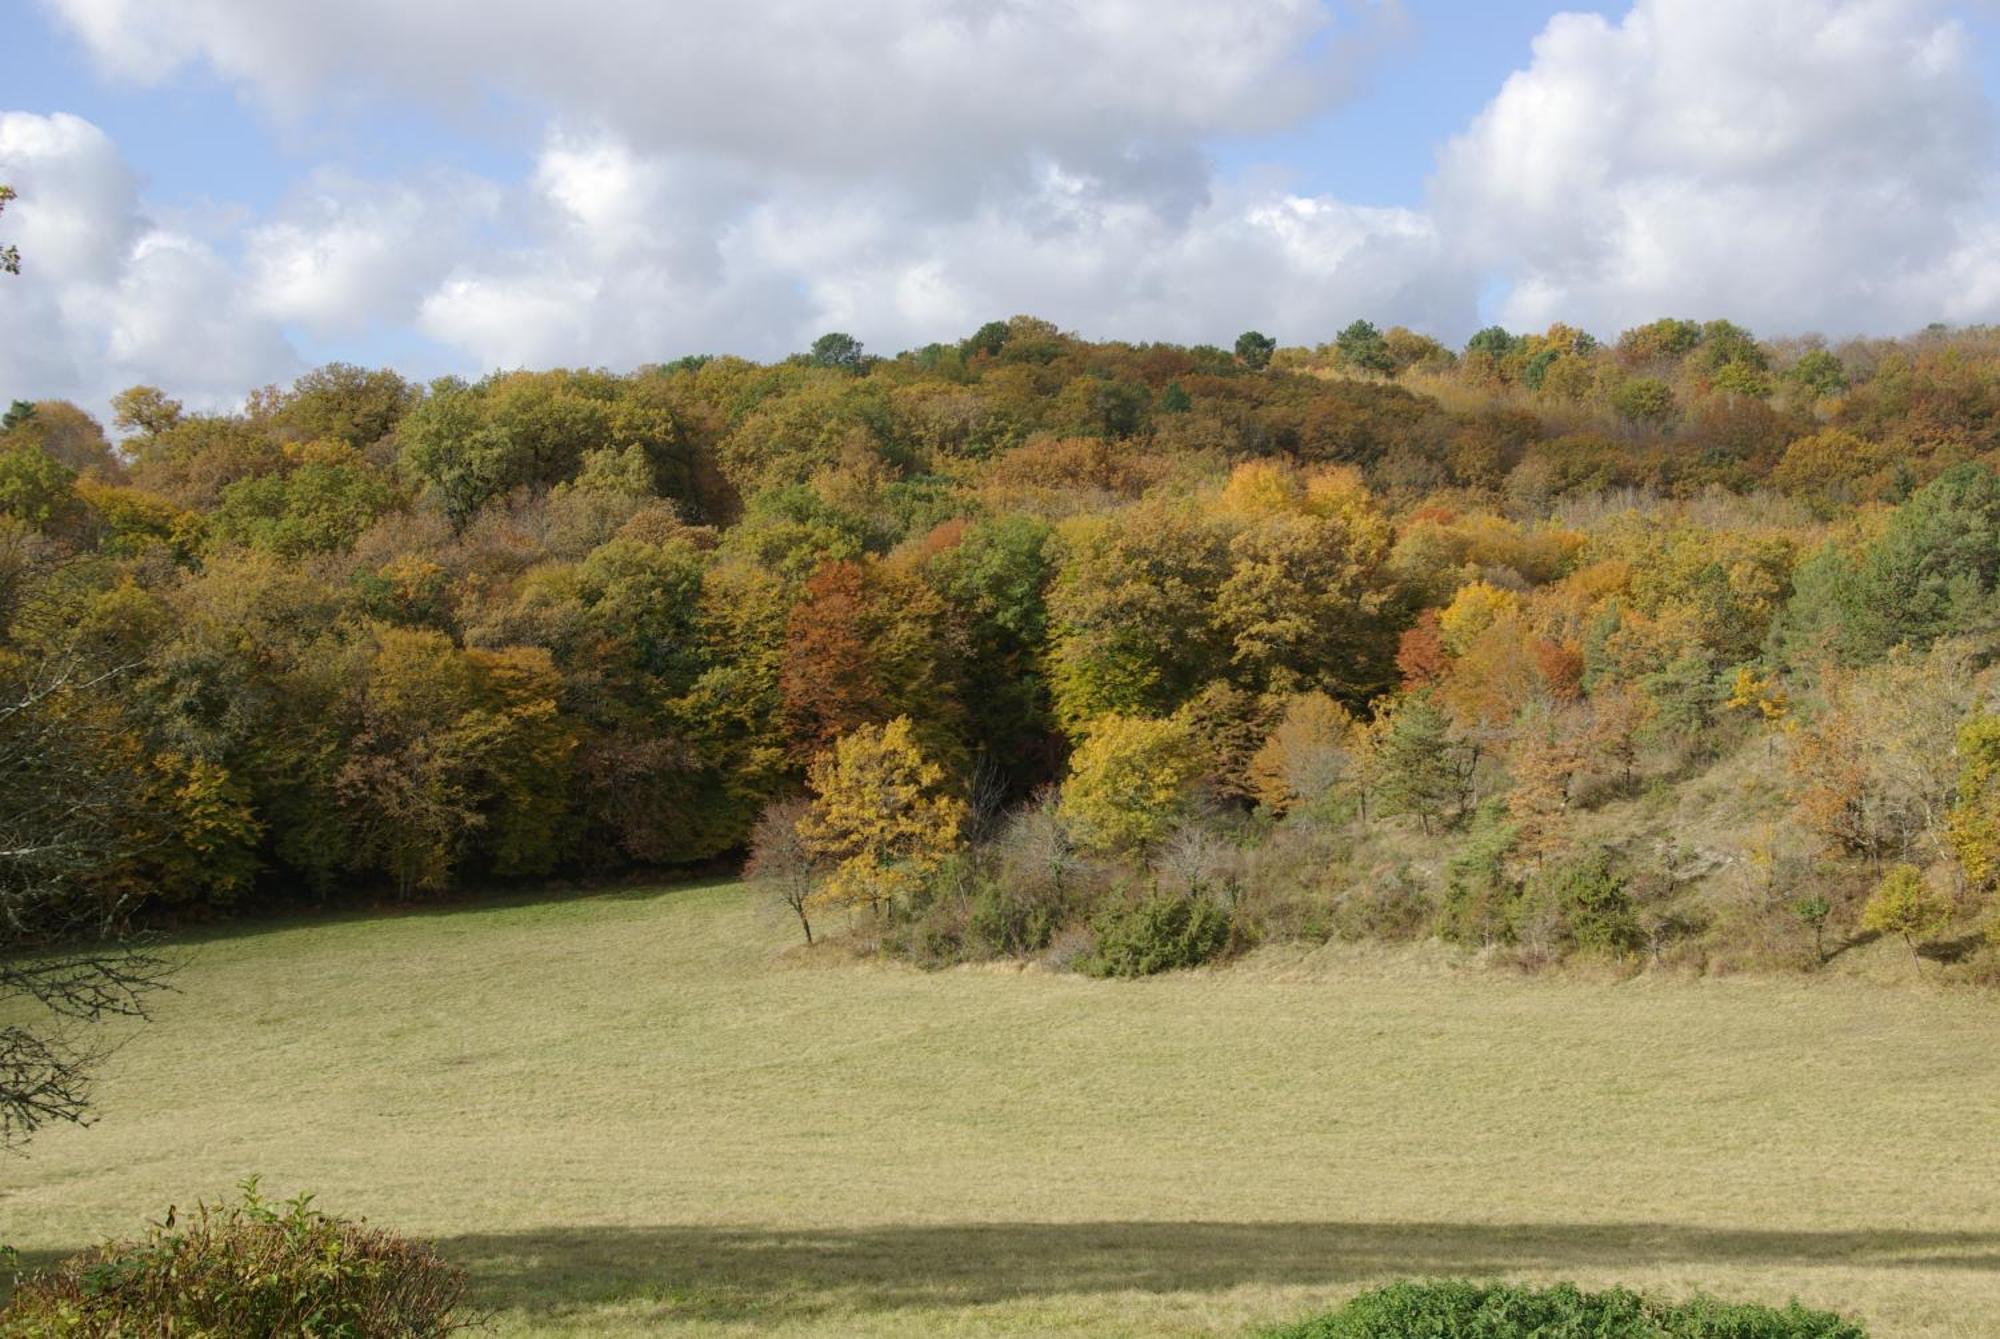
{"x":196,"y":138}
{"x":272,"y":183}
{"x":203,"y":149}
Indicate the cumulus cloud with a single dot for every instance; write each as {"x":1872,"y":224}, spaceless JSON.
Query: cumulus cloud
{"x":1802,"y":164}
{"x":105,"y":297}
{"x":963,"y":95}
{"x":742,"y":180}
{"x":640,"y":258}
{"x":344,"y":254}
{"x":907,"y":169}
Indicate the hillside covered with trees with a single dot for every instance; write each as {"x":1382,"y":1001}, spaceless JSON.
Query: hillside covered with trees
{"x":1671,"y":647}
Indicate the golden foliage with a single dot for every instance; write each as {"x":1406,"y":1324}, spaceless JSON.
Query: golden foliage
{"x":1472,"y":611}
{"x":1130,"y":781}
{"x":880,"y":813}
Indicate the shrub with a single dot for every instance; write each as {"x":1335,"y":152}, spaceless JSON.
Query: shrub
{"x":1455,"y":1310}
{"x":246,"y":1270}
{"x":1391,"y":905}
{"x":1479,"y":895}
{"x":1160,"y":934}
{"x":1011,"y":922}
{"x":931,"y":926}
{"x":1592,"y":896}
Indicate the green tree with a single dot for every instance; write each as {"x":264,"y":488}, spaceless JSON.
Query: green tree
{"x":1935,"y":569}
{"x":1644,"y":400}
{"x":1254,"y":349}
{"x":1421,"y":766}
{"x":1818,"y":373}
{"x":1813,"y":912}
{"x":989,"y":339}
{"x":344,"y":403}
{"x":448,"y":445}
{"x":837,"y":349}
{"x":1132,"y":611}
{"x":1494,"y":343}
{"x":1362,"y":346}
{"x":319,"y":505}
{"x":1724,"y":344}
{"x":471,"y":443}
{"x":1685,"y":694}
{"x":1591,"y":897}
{"x":994,"y":583}
{"x":37,"y":489}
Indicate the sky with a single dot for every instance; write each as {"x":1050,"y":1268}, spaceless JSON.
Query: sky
{"x":215,"y":195}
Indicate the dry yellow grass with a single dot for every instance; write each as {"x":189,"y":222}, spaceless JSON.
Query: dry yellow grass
{"x":642,"y":1114}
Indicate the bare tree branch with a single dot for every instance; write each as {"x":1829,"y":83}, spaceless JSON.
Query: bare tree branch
{"x":68,"y":961}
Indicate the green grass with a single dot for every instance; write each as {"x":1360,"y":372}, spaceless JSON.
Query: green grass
{"x":646,"y":1114}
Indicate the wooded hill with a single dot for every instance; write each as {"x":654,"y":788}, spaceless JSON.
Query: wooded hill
{"x":1672,"y":646}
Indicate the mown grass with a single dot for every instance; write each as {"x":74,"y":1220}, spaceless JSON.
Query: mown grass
{"x":646,"y":1114}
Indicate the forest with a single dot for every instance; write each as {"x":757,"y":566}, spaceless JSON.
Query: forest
{"x":1671,"y":648}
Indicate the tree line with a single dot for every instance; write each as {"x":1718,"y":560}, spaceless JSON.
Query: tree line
{"x":1012,"y":640}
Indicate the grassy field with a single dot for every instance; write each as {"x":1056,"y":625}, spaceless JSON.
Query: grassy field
{"x":645,"y":1114}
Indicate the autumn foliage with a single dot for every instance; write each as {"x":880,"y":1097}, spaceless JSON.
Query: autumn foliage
{"x":1319,"y":633}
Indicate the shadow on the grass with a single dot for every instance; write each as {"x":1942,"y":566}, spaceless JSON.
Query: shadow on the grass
{"x":747,"y":1274}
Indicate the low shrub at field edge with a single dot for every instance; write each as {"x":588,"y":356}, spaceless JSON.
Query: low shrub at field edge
{"x":248,"y":1271}
{"x":1459,"y":1310}
{"x":1163,"y":933}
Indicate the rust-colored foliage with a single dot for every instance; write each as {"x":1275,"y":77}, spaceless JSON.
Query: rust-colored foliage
{"x":829,"y":679}
{"x":1420,"y":655}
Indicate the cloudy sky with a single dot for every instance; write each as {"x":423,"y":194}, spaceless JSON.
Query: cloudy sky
{"x":217,"y":194}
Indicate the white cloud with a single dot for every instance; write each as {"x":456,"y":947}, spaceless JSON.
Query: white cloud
{"x":106,"y":298}
{"x":644,"y":258}
{"x":1798,"y":164}
{"x":907,"y":169}
{"x":958,"y":94}
{"x":345,"y":254}
{"x":742,"y":179}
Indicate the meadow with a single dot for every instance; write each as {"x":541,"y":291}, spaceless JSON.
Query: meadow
{"x":650,"y":1113}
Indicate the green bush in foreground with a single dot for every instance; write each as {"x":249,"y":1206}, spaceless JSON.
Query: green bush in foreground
{"x":1454,"y":1310}
{"x":1161,"y":934}
{"x":246,"y":1271}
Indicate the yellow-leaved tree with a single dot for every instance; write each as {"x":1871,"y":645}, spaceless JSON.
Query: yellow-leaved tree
{"x":1473,"y":610}
{"x":880,"y":814}
{"x":1905,"y":904}
{"x":1130,"y":781}
{"x":1974,"y":824}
